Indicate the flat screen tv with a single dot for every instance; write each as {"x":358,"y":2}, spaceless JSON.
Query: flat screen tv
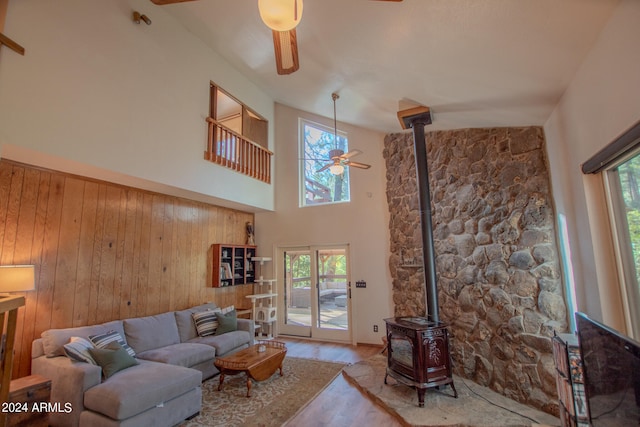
{"x":611,"y":363}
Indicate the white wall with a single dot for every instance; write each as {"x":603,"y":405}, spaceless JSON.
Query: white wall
{"x":602,"y":102}
{"x":98,"y":94}
{"x":363,"y":223}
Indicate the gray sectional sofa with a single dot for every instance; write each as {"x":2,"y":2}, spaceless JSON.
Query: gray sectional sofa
{"x":163,"y":389}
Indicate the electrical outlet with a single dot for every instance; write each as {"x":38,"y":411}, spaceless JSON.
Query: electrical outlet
{"x":375,"y":328}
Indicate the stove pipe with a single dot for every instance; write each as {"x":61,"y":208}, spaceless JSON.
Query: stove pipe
{"x":417,"y":118}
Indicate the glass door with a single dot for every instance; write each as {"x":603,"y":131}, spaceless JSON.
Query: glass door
{"x":332,"y":293}
{"x":297,"y":282}
{"x":316,"y":294}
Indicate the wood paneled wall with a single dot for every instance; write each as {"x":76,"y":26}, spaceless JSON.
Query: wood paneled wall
{"x":104,"y":251}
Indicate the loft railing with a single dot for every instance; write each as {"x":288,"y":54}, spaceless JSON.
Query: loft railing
{"x":230,"y":149}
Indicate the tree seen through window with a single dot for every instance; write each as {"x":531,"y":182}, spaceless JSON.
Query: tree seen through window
{"x":629,"y":175}
{"x":322,"y":187}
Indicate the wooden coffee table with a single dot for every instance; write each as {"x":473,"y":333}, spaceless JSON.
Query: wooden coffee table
{"x":258,"y":365}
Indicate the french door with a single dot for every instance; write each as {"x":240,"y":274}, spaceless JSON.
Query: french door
{"x":315,"y":292}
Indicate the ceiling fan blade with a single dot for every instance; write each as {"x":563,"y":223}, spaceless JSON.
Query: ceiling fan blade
{"x":325,"y":167}
{"x":358,"y":165}
{"x":163,"y":2}
{"x":285,"y":46}
{"x":350,"y":154}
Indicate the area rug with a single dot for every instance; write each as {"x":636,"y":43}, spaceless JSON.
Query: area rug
{"x":272,"y":402}
{"x":476,"y":406}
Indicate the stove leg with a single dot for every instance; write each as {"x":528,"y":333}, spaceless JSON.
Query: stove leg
{"x":421,"y":397}
{"x":455,"y":392}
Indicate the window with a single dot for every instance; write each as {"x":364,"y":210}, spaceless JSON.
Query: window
{"x":624,"y":196}
{"x":620,"y":164}
{"x":318,"y":184}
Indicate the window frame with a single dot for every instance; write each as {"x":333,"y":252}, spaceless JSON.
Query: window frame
{"x":628,"y":276}
{"x":302,"y":189}
{"x":604,"y":163}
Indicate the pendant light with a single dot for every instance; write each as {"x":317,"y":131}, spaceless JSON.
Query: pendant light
{"x":280,"y":15}
{"x":337,"y":168}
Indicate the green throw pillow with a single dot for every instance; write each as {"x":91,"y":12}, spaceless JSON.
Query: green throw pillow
{"x":113,"y":358}
{"x":227,"y":322}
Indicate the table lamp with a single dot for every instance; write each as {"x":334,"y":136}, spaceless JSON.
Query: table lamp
{"x":17,"y":278}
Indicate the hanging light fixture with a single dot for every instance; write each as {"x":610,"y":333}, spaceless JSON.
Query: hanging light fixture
{"x":280,"y":15}
{"x":338,"y":159}
{"x":337,"y":168}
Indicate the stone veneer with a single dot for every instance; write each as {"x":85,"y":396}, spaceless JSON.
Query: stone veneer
{"x":499,"y":282}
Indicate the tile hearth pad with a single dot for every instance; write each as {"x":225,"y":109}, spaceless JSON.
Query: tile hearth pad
{"x":470,"y":409}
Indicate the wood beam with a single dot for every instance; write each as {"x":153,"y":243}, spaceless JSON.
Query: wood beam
{"x":4,"y":40}
{"x":4,"y":4}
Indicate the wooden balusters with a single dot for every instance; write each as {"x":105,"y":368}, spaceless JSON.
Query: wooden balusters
{"x":229,"y":149}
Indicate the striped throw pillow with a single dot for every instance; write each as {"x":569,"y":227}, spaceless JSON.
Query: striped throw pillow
{"x":78,"y":349}
{"x":206,"y":322}
{"x":102,"y":341}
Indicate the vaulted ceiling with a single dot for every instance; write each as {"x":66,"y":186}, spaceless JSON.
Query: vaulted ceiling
{"x":476,"y":63}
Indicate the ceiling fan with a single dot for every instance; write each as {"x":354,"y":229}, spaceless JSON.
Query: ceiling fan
{"x":338,"y":159}
{"x":282,"y":16}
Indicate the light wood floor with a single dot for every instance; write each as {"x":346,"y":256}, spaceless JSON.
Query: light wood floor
{"x":340,"y":404}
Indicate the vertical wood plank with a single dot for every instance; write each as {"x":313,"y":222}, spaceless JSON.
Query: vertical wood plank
{"x":201,"y":256}
{"x":135,"y":265}
{"x":167,"y":272}
{"x":191,"y":267}
{"x":120,"y":293}
{"x":209,"y":223}
{"x":13,"y":210}
{"x":5,"y":190}
{"x":183,"y":224}
{"x":85,"y":254}
{"x":128,"y":256}
{"x":144,"y":251}
{"x":96,"y":258}
{"x":22,"y":254}
{"x":107,"y":293}
{"x":154,"y":290}
{"x":46,"y":278}
{"x":68,"y":246}
{"x":33,"y":306}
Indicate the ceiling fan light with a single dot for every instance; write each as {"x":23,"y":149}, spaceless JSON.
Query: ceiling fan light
{"x":280,"y":15}
{"x":336,"y":169}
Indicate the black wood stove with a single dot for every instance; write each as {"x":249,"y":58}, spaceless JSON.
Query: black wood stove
{"x":418,"y":347}
{"x":418,"y":354}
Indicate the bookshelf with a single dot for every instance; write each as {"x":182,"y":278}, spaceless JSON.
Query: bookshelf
{"x":232,"y":265}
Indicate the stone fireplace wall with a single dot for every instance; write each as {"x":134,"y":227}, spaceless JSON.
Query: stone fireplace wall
{"x":497,"y":265}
